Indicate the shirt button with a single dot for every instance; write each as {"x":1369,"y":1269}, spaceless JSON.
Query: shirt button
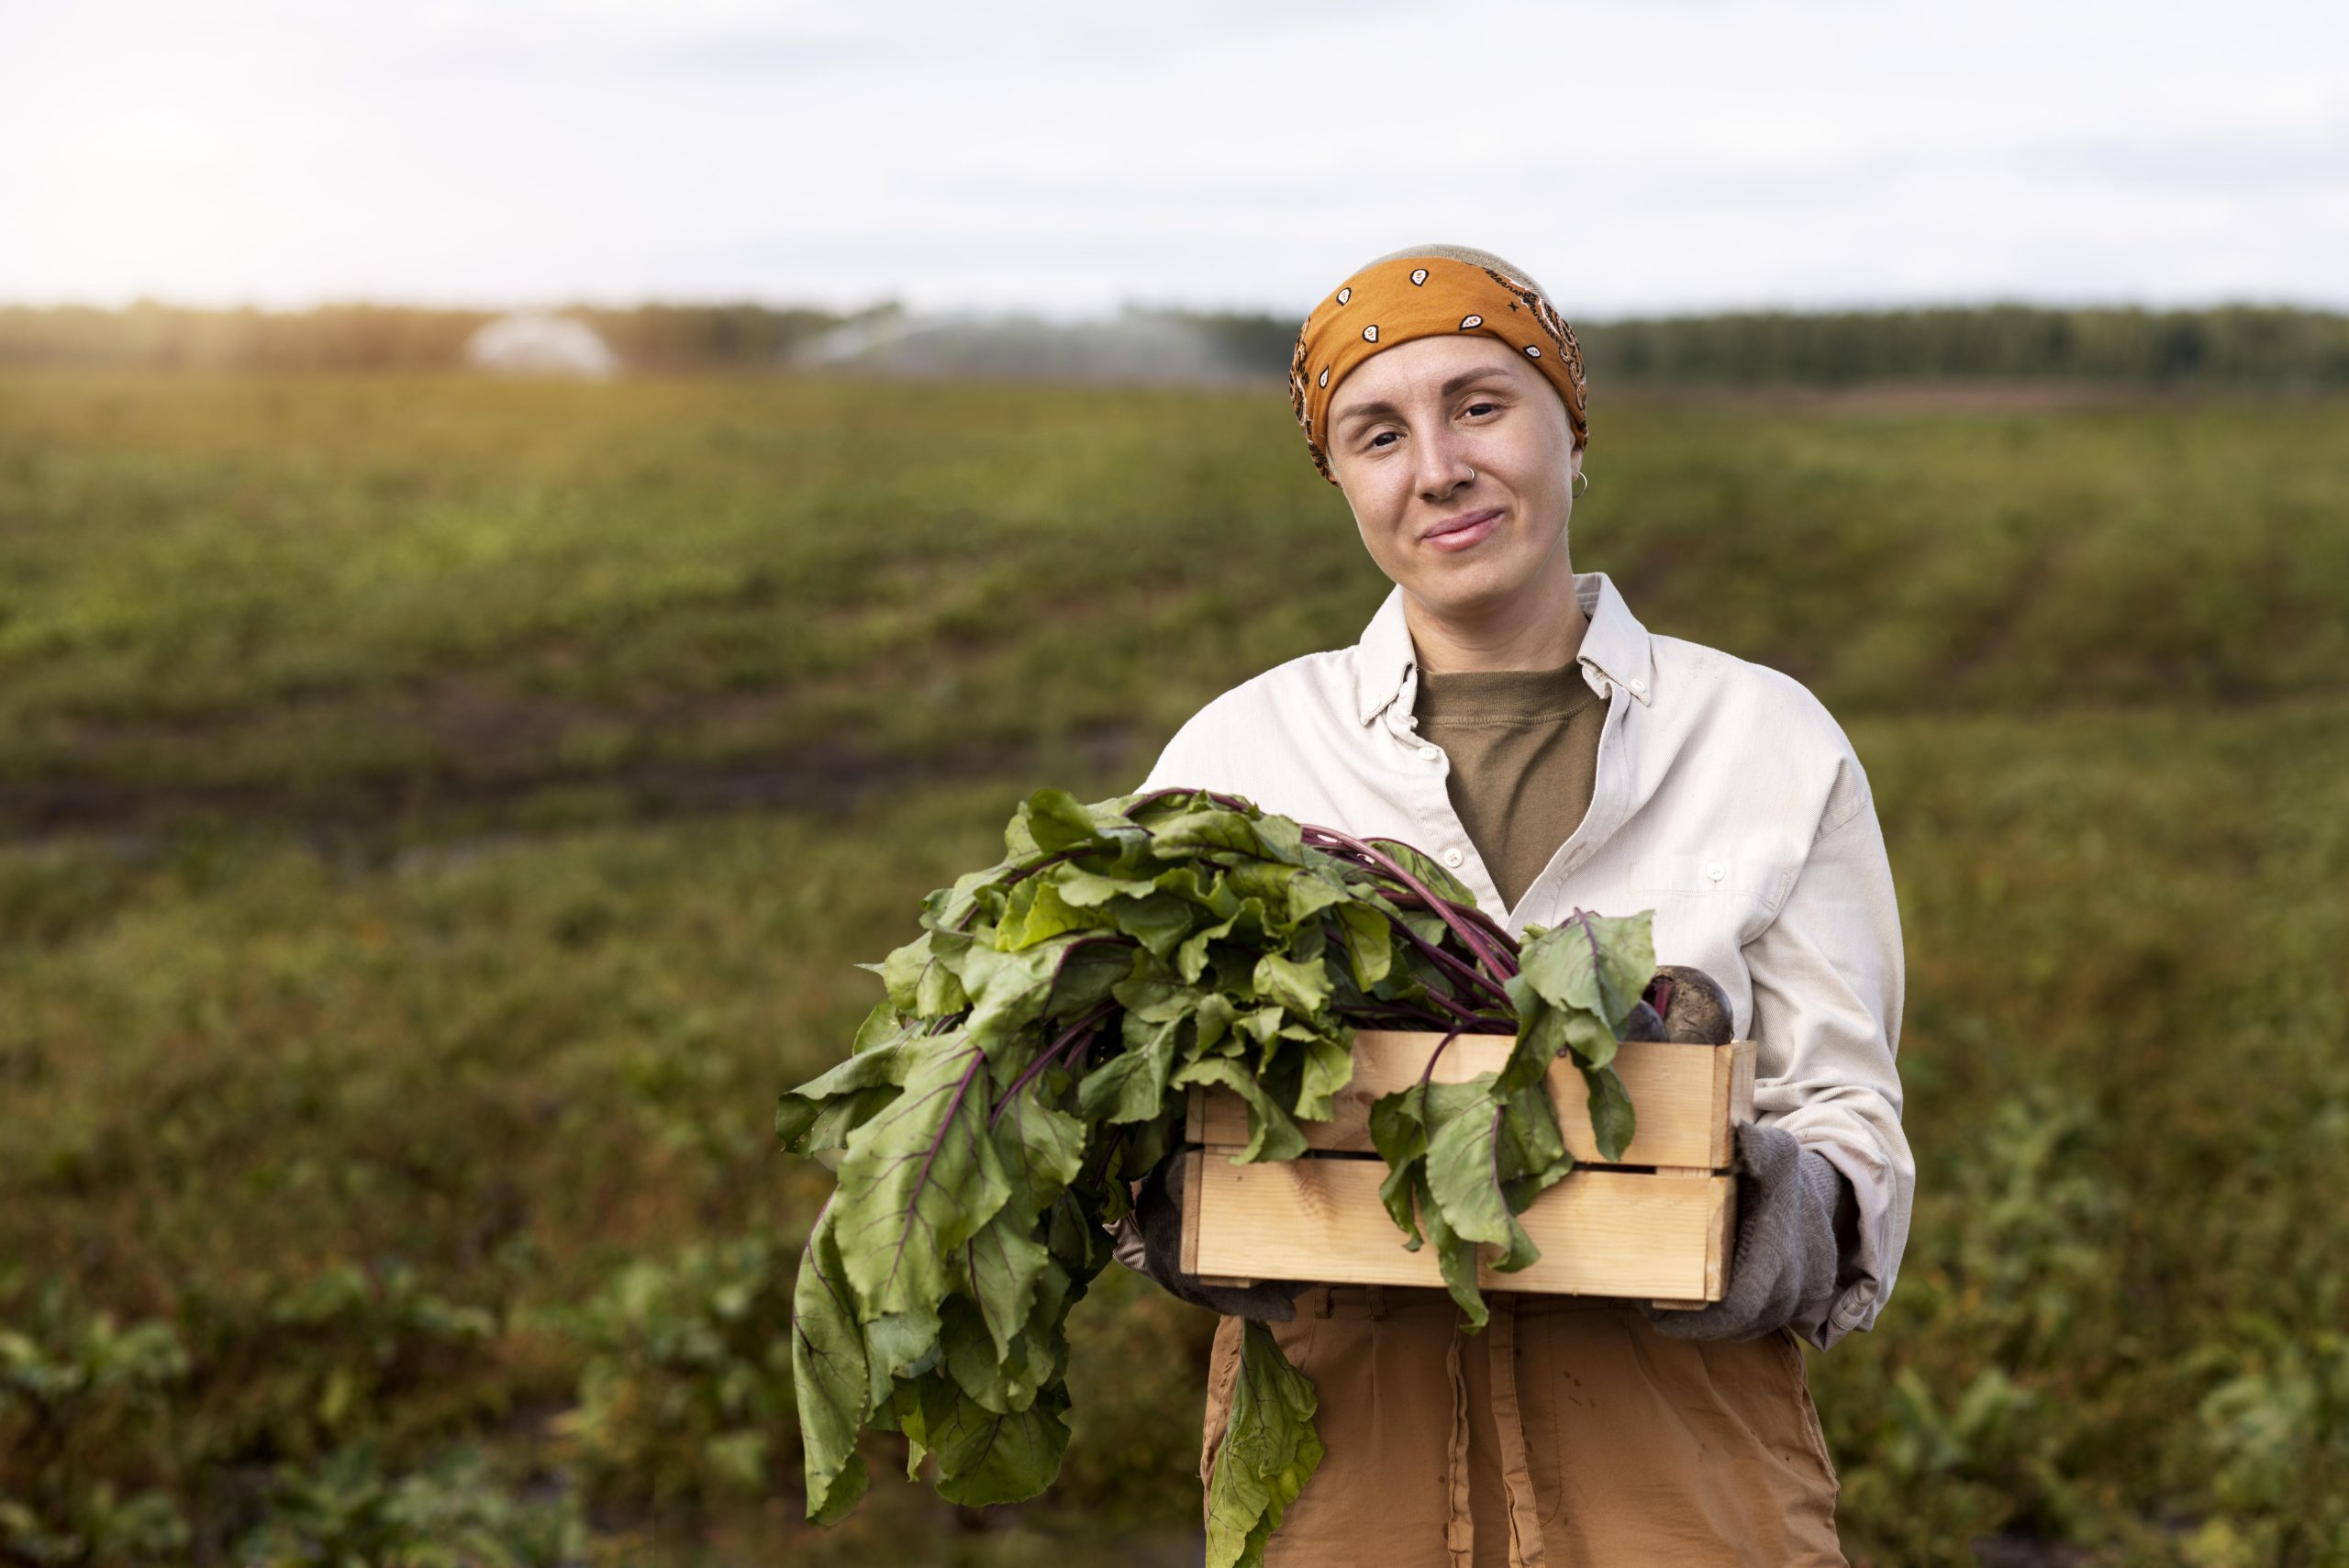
{"x":1639,"y":688}
{"x":1429,"y":752}
{"x":1715,"y":871}
{"x":1453,"y":858}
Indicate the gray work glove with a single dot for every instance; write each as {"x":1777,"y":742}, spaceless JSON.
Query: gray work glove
{"x":1159,"y":1210}
{"x":1793,"y":1205}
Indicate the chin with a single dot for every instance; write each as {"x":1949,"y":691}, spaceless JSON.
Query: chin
{"x":1472,"y":587}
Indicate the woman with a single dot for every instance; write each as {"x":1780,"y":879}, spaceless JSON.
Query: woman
{"x":1514,"y":720}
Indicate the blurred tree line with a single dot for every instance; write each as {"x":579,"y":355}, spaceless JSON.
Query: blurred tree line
{"x":2253,"y":345}
{"x":2265,"y":345}
{"x":2257,"y":345}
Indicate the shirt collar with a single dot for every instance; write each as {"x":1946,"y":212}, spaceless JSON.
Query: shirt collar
{"x":1614,"y":645}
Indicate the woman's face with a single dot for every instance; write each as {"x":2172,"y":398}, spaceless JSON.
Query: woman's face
{"x":1406,"y":428}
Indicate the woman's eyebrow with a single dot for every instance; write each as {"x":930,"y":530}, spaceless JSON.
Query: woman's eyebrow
{"x":1457,"y":383}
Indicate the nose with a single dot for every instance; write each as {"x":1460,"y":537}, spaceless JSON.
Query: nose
{"x":1443,"y":465}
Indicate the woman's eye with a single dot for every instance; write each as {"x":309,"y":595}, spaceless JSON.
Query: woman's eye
{"x":1378,"y":438}
{"x":1474,"y":407}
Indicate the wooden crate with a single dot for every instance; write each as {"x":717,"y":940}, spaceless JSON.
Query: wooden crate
{"x":1657,"y":1225}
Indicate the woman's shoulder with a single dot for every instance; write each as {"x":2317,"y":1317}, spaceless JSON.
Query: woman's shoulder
{"x":1726,"y":690}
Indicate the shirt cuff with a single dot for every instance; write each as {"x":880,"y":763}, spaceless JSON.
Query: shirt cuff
{"x":1860,"y":1211}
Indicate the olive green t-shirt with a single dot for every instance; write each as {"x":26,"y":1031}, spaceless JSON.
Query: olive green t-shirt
{"x":1523,"y":746}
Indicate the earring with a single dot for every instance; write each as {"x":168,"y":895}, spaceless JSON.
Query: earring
{"x":1585,"y":478}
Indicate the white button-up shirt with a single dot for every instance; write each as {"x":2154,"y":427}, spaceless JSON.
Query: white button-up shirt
{"x":1726,"y":800}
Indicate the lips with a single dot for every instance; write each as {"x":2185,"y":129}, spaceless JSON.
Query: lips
{"x":1459,"y":532}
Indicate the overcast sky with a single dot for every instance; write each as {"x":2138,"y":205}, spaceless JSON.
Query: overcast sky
{"x":1642,"y":156}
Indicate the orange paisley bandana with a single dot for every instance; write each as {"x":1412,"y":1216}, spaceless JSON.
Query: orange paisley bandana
{"x":1394,"y":301}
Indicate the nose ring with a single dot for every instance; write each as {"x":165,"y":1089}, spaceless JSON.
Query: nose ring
{"x":1472,"y":477}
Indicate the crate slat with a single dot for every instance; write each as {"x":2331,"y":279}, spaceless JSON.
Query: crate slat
{"x":1601,"y":1232}
{"x":1685,"y":1098}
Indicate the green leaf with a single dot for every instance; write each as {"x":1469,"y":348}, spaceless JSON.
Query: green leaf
{"x":921,"y":1403}
{"x":1008,"y":990}
{"x":1329,"y":1067}
{"x":921,"y":980}
{"x":1272,"y":1134}
{"x":1425,"y":924}
{"x":1090,"y":970}
{"x":1078,"y":1244}
{"x":1179,"y":838}
{"x":811,"y":1127}
{"x":1309,"y":895}
{"x":985,"y":1457}
{"x":1090,"y":890}
{"x":1610,"y":1110}
{"x":1455,"y":1256}
{"x":827,"y":1367}
{"x":1155,"y":1001}
{"x":1209,"y":892}
{"x":1428,"y":869}
{"x":1143,"y":1145}
{"x":1131,"y":1085}
{"x":1036,"y":912}
{"x":1270,"y":1449}
{"x":1465,"y":1171}
{"x":881,"y":1026}
{"x":1215,"y":1018}
{"x":1003,"y":1382}
{"x":1268,"y":884}
{"x":1398,"y":1130}
{"x":1057,"y":820}
{"x":1191,"y":958}
{"x":1533,"y":1148}
{"x":822,"y":1112}
{"x":950,"y":909}
{"x":898,"y":1345}
{"x":1043,"y":1148}
{"x":1159,"y":922}
{"x":1262,"y":1024}
{"x":1281,"y":837}
{"x":917,"y":1182}
{"x":1302,"y":988}
{"x":1541,"y":1035}
{"x":1595,"y":968}
{"x":1370,"y":942}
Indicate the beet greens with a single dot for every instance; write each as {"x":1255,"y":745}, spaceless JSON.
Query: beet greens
{"x":1034,"y":1053}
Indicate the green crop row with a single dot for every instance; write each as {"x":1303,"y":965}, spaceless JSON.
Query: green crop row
{"x":351,"y":601}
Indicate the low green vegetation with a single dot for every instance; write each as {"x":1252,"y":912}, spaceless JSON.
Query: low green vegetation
{"x":444,"y":816}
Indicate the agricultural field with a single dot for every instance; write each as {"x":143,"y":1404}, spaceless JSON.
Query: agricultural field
{"x":438,"y":816}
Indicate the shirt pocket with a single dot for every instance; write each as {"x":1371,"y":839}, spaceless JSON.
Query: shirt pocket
{"x":1707,"y":907}
{"x":1737,"y":892}
{"x":1737,"y":879}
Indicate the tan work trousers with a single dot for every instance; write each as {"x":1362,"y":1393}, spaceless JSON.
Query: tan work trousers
{"x":1567,"y":1434}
